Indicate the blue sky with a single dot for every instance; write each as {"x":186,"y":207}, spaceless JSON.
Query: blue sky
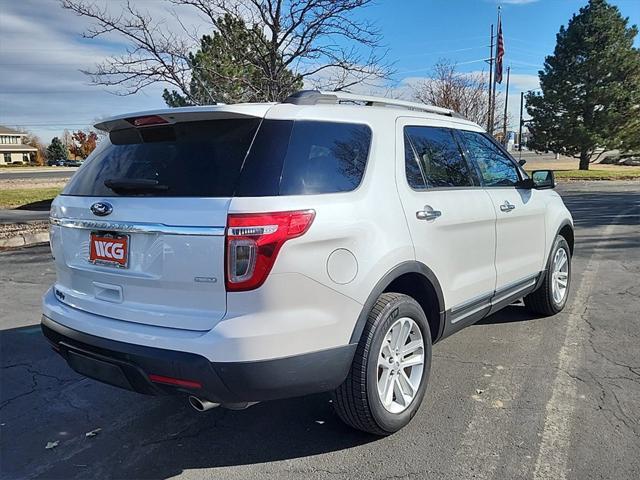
{"x":42,"y":51}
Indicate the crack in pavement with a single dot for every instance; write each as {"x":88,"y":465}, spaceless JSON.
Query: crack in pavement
{"x":34,"y":382}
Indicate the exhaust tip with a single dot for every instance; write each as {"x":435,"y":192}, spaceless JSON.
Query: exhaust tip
{"x":201,"y":405}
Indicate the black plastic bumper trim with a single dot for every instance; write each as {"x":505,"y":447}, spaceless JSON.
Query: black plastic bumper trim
{"x":127,"y":366}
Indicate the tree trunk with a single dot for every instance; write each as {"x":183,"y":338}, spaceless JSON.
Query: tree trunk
{"x":584,"y":160}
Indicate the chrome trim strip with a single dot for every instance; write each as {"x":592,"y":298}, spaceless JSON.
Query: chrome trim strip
{"x":484,"y":298}
{"x":489,"y":300}
{"x":510,"y":293}
{"x":515,"y":286}
{"x":471,"y":312}
{"x":130,"y":227}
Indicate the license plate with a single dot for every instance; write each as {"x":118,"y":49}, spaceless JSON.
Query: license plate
{"x":109,"y":249}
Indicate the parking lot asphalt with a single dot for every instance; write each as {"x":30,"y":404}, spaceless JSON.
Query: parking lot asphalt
{"x":38,"y":173}
{"x":514,"y":396}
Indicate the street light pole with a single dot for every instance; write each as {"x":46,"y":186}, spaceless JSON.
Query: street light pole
{"x":521,"y":121}
{"x":506,"y":103}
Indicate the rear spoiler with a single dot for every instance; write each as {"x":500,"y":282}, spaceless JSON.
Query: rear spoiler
{"x":184,"y":114}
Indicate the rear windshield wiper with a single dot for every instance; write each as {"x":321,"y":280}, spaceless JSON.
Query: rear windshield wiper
{"x":131,"y":185}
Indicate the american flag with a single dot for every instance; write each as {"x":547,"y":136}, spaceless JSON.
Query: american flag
{"x":499,"y":53}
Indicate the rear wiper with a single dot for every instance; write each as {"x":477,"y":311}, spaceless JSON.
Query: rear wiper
{"x":134,"y":185}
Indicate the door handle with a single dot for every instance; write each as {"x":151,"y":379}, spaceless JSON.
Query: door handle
{"x":428,"y":213}
{"x":507,"y":207}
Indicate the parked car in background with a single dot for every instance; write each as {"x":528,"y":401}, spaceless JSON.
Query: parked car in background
{"x":56,"y":162}
{"x":72,"y":163}
{"x":241,"y":253}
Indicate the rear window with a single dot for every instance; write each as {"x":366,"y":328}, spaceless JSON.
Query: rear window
{"x":191,"y":159}
{"x":207,"y":159}
{"x":304,"y":158}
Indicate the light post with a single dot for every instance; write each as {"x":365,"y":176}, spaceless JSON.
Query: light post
{"x":522,"y":117}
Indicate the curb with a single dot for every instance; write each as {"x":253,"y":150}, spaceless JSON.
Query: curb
{"x":24,"y":240}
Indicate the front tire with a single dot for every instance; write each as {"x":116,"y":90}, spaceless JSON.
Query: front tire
{"x":390,"y":370}
{"x":551,"y":297}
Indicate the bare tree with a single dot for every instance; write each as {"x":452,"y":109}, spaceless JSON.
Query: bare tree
{"x":465,"y":93}
{"x":321,"y":41}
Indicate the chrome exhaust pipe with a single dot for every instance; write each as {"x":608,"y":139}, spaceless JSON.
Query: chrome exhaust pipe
{"x":201,"y":405}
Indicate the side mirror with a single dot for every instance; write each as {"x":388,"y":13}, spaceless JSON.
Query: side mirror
{"x":543,"y":179}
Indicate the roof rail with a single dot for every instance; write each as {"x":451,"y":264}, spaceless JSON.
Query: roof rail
{"x":315,"y":97}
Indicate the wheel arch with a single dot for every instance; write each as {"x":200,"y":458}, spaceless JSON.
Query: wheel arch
{"x":411,"y":278}
{"x":566,"y":230}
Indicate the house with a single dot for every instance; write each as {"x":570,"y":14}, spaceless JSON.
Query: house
{"x":12,"y":150}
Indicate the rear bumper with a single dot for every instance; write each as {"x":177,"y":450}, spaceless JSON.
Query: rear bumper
{"x":128,"y":366}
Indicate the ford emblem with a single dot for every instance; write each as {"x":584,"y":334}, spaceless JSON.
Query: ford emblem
{"x":101,"y":209}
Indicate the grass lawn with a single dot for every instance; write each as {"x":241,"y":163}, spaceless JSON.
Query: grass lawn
{"x":628,"y":173}
{"x":596,"y":172}
{"x":11,"y":198}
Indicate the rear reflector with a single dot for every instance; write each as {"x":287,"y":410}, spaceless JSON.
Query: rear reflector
{"x":177,"y":382}
{"x":253,"y":242}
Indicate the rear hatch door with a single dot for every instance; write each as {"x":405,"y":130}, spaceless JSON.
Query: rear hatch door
{"x":138,"y":233}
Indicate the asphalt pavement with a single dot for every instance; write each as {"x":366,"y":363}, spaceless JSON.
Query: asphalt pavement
{"x":13,"y":215}
{"x":512,"y":397}
{"x":37,"y":173}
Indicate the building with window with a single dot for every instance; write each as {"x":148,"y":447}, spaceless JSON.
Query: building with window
{"x":12,"y":150}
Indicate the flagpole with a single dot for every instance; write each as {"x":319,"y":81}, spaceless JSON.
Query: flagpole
{"x":506,"y":102}
{"x":490,"y":81}
{"x":493,"y":102}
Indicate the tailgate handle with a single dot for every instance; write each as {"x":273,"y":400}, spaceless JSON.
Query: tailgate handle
{"x":108,"y":292}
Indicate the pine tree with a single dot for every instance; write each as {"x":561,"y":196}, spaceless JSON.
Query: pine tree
{"x":56,"y":150}
{"x":225,"y":69}
{"x":590,"y":100}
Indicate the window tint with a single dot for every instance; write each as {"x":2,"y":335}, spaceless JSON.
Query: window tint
{"x":304,"y":158}
{"x":195,"y":159}
{"x":439,"y":157}
{"x":207,"y":159}
{"x":495,"y":167}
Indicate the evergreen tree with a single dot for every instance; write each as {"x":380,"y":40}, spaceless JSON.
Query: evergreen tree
{"x":225,"y":69}
{"x":590,"y":98}
{"x":56,"y":150}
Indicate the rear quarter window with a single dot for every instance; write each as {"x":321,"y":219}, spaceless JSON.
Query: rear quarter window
{"x":305,"y":158}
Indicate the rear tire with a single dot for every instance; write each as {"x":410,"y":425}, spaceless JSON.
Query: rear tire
{"x":550,"y":298}
{"x":362,"y":401}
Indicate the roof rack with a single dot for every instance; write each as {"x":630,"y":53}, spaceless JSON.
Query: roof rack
{"x":316,"y":97}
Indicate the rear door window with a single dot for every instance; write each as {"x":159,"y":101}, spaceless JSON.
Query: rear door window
{"x":190,"y":159}
{"x":305,"y":158}
{"x":438,"y":156}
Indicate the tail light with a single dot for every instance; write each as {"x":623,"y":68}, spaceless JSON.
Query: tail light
{"x":253,"y":243}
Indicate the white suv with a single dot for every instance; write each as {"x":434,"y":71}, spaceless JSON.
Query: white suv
{"x":241,"y":253}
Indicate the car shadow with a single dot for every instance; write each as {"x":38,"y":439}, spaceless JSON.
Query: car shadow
{"x":41,"y":205}
{"x":42,"y":400}
{"x":514,"y":313}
